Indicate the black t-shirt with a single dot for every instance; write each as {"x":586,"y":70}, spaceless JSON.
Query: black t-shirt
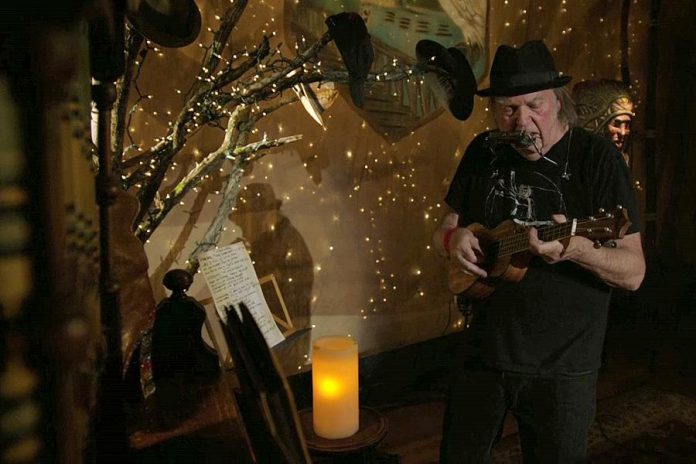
{"x":554,"y":319}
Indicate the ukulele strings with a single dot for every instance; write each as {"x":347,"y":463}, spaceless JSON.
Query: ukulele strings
{"x":520,"y":241}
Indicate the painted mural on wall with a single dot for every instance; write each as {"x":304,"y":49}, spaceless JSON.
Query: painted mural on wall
{"x":364,"y":203}
{"x":395,"y":109}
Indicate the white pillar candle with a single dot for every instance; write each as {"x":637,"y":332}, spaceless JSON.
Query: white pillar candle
{"x":335,"y":410}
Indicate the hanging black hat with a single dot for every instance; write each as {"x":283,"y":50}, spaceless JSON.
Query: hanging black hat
{"x":516,"y":71}
{"x":169,"y":23}
{"x":453,"y":83}
{"x":349,"y":32}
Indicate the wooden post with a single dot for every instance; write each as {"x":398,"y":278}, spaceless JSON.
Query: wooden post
{"x":650,"y":118}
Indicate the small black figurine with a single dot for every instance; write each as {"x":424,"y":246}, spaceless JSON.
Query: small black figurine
{"x":178,"y":351}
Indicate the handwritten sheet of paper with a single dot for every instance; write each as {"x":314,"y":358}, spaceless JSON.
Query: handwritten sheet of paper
{"x":231,"y":278}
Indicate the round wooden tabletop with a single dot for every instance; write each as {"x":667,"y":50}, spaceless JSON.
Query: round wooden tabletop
{"x":373,"y":428}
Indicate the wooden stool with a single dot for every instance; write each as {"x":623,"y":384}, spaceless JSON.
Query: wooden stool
{"x":358,"y":448}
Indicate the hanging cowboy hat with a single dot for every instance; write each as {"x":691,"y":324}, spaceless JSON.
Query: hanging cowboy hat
{"x":452,"y":81}
{"x":349,"y":32}
{"x":169,"y":23}
{"x":516,"y":71}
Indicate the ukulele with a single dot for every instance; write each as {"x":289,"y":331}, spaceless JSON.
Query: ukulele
{"x":506,"y":249}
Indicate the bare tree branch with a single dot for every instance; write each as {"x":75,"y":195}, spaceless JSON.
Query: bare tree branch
{"x":212,"y":235}
{"x":232,"y":74}
{"x":118,"y":122}
{"x":248,"y":87}
{"x":220,"y":39}
{"x":250,"y":153}
{"x":211,"y":162}
{"x":294,"y":65}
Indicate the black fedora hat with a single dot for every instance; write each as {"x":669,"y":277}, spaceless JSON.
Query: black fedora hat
{"x":516,"y":71}
{"x":453,"y":82}
{"x":349,"y":32}
{"x":169,"y":23}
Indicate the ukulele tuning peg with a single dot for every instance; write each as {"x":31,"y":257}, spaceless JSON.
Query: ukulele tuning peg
{"x":597,"y":244}
{"x":601,"y":210}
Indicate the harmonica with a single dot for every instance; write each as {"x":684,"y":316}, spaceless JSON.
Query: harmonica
{"x":518,"y":138}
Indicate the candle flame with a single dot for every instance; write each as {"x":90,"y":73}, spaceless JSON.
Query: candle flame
{"x":329,"y":387}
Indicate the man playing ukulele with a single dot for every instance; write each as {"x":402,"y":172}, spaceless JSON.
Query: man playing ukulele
{"x":539,"y":338}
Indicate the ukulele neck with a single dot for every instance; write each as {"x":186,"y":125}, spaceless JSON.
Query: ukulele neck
{"x":519,"y":241}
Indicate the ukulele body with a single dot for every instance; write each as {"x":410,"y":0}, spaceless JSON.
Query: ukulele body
{"x":499,"y":268}
{"x":506,"y":249}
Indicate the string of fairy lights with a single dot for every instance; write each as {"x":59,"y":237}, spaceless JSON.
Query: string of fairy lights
{"x":390,"y":179}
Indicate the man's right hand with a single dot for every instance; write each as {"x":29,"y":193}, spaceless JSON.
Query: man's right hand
{"x":465,"y":251}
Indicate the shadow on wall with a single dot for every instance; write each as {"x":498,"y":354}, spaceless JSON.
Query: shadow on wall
{"x":277,"y":248}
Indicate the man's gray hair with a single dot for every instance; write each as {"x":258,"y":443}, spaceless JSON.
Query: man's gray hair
{"x":567,"y":114}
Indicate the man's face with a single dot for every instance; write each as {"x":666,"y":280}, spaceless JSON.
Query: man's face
{"x":619,"y":129}
{"x":535,"y":113}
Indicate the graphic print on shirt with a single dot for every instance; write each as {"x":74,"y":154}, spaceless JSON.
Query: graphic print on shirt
{"x":525,"y":196}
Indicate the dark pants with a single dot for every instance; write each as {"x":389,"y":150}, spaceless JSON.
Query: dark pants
{"x":553,"y":415}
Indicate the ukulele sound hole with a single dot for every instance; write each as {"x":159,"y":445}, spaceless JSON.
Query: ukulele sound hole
{"x":491,"y":256}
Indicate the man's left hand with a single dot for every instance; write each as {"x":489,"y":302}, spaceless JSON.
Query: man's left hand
{"x":551,"y":252}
